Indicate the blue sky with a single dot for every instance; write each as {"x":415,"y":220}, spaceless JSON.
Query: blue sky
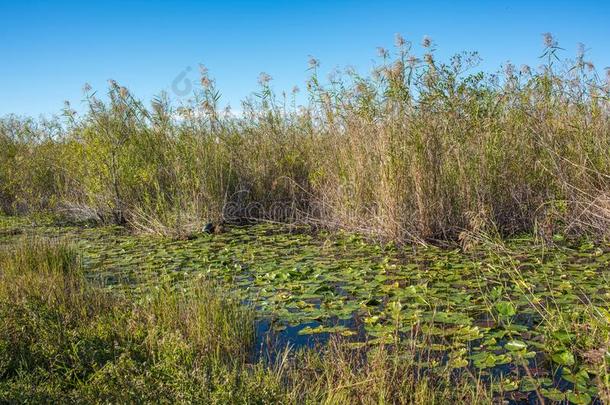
{"x":49,"y":49}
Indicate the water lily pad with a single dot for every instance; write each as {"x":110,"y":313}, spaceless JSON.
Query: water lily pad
{"x":506,"y":308}
{"x":553,"y":394}
{"x":515,"y":345}
{"x":564,"y":358}
{"x":579,"y":398}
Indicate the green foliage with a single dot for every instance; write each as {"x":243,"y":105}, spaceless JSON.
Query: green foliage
{"x":540,"y":312}
{"x":62,"y":340}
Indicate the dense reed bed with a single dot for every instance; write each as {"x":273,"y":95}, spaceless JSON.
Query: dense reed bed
{"x":420,"y":149}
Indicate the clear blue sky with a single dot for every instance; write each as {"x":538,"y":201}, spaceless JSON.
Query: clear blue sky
{"x":49,"y":49}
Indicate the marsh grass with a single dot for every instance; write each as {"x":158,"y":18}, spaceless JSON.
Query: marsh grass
{"x":62,"y":339}
{"x":339,"y":373}
{"x":576,"y":339}
{"x":421,"y":149}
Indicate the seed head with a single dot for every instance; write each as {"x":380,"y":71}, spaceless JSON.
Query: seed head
{"x":205,"y":80}
{"x":206,"y":83}
{"x":264,"y":79}
{"x":295,"y":90}
{"x":548,"y":40}
{"x":399,"y":41}
{"x":157,"y":107}
{"x":509,"y":70}
{"x":429,"y":59}
{"x":580,"y":50}
{"x":590,"y":66}
{"x":313,"y":62}
{"x":386,"y":72}
{"x":86,"y":88}
{"x":382,"y":52}
{"x":227,"y":111}
{"x":333,"y":75}
{"x":426,"y":42}
{"x":123,"y":92}
{"x":398,"y":68}
{"x":413,"y":61}
{"x":526,"y":70}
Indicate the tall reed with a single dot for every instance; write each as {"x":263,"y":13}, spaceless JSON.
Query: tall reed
{"x":419,"y":149}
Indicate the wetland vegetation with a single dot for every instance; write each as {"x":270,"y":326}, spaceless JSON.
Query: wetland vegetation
{"x":99,"y":314}
{"x":423,"y":234}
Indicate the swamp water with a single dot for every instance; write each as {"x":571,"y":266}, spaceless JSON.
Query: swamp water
{"x":519,"y":314}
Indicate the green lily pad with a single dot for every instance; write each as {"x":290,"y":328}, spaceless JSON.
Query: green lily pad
{"x":515,"y":345}
{"x":505,"y":308}
{"x":564,"y":358}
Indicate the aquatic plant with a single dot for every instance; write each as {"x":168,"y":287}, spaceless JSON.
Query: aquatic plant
{"x":516,"y":319}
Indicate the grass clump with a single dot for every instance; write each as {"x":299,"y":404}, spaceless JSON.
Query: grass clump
{"x":62,"y":340}
{"x":340,"y":374}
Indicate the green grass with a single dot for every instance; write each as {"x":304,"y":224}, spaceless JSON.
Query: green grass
{"x":63,"y":340}
{"x":421,"y":149}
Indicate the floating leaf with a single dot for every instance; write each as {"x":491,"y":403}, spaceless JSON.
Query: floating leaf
{"x":564,"y":358}
{"x":579,"y":399}
{"x":506,"y":308}
{"x":457,"y":363}
{"x":515,"y":345}
{"x":553,"y":394}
